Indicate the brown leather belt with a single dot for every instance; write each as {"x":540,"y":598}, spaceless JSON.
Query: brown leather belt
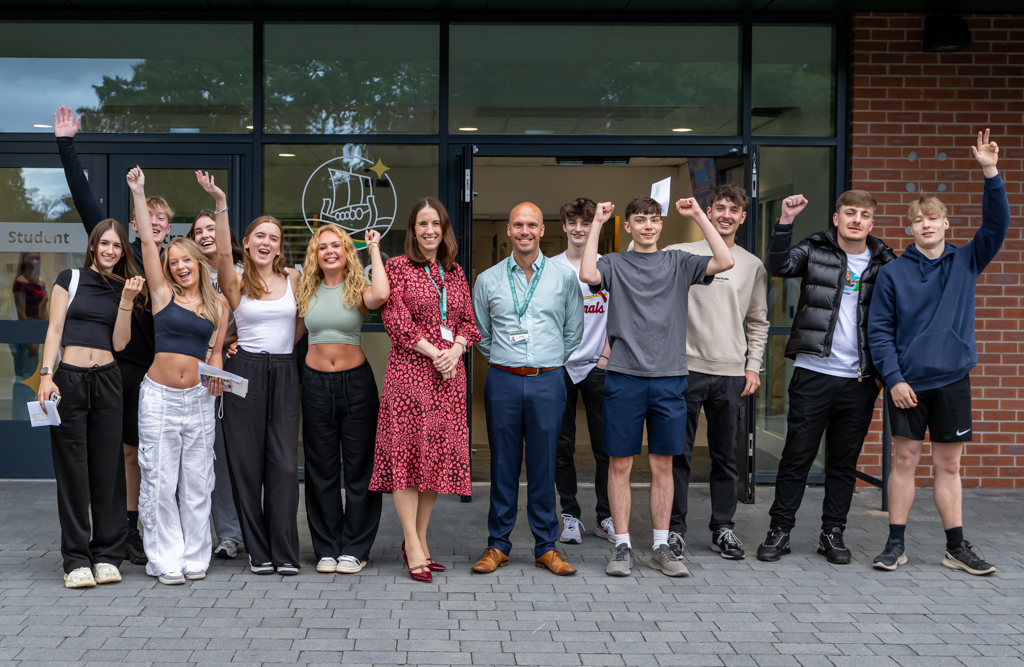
{"x":525,"y":371}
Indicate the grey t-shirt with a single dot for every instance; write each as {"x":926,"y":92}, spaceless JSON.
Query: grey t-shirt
{"x":647,"y":309}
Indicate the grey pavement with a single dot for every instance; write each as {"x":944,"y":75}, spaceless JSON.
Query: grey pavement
{"x":800,"y":612}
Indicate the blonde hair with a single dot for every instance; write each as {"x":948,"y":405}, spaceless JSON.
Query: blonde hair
{"x":252,"y":285}
{"x":210,"y":301}
{"x":157,"y":204}
{"x":926,"y":206}
{"x":313,"y":275}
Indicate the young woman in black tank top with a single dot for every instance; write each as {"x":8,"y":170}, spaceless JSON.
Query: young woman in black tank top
{"x":176,"y":412}
{"x":87,"y":455}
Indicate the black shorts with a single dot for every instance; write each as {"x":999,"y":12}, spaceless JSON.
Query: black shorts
{"x":131,"y":379}
{"x":945,"y":412}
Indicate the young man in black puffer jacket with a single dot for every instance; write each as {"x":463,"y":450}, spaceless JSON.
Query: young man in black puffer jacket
{"x":834,"y":385}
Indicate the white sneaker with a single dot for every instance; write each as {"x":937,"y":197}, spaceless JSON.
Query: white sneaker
{"x":350,"y":565}
{"x":606,"y":530}
{"x":227,"y":548}
{"x":195,"y":576}
{"x":174,"y":578}
{"x":571,"y":530}
{"x":327,"y":566}
{"x":79,"y":578}
{"x":106,"y":573}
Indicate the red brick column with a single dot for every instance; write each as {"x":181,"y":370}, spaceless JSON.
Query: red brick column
{"x":914,"y":118}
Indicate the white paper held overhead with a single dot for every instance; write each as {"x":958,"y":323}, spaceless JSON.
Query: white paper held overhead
{"x":661,"y":192}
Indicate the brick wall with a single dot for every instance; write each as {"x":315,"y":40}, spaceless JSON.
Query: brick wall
{"x":914,"y":116}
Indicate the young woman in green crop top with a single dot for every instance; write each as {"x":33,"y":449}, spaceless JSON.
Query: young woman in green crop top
{"x":339,"y":398}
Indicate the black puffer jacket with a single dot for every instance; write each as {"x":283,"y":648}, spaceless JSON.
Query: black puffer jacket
{"x":821,"y":263}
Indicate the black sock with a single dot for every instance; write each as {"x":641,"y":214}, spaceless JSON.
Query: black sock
{"x":954,"y":536}
{"x":896,"y":532}
{"x":133,"y":521}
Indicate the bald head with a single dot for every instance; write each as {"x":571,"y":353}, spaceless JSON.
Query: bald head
{"x":528,"y":209}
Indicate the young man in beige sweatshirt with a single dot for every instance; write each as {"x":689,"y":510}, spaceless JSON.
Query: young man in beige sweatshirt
{"x":726,"y":333}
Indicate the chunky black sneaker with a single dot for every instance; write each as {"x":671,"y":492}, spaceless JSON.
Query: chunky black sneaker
{"x":832,"y":547}
{"x":964,"y":558}
{"x":892,"y":556}
{"x":676,"y":543}
{"x":725,"y":542}
{"x":775,"y":546}
{"x":133,"y":549}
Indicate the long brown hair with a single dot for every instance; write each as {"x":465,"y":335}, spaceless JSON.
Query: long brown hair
{"x":210,"y":300}
{"x":313,"y":275}
{"x":125,"y":267}
{"x":237,"y":254}
{"x":448,"y":247}
{"x":252,"y":284}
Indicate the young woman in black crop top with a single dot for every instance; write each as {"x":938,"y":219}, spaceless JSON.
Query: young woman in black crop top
{"x":87,"y":455}
{"x":176,"y":412}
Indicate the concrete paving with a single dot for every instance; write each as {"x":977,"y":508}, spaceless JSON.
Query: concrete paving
{"x":800,"y":612}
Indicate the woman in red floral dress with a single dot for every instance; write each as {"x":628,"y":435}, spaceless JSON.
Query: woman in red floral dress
{"x":422,"y":432}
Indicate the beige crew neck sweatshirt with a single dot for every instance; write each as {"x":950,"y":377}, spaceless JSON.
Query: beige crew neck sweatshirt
{"x":727,"y":327}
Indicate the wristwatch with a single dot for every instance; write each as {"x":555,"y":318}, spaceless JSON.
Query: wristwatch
{"x":45,"y":371}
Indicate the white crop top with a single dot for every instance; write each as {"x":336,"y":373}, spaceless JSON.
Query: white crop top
{"x":267,"y":326}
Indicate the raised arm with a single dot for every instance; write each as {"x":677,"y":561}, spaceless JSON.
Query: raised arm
{"x":589,"y":273}
{"x":226,"y":277}
{"x":995,"y":208}
{"x":375,"y":295}
{"x":159,"y":290}
{"x":780,"y":259}
{"x":721,"y":258}
{"x":123,"y":324}
{"x":65,"y":127}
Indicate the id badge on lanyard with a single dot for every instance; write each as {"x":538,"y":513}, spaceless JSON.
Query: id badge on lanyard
{"x":519,"y":335}
{"x":442,"y":298}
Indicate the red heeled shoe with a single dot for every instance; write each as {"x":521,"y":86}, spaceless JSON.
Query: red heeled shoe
{"x":421,"y":573}
{"x":435,"y":566}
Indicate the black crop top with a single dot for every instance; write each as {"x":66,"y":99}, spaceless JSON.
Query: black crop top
{"x":180,"y":331}
{"x":90,"y":318}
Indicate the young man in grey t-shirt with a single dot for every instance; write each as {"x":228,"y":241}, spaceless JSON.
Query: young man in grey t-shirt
{"x":646,"y":373}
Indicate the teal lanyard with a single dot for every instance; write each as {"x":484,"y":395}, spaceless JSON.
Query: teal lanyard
{"x":533,"y":286}
{"x":442,"y":292}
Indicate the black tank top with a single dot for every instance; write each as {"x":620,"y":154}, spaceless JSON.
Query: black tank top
{"x":180,"y":331}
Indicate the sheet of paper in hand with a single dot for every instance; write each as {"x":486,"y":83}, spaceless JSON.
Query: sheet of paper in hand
{"x":37,"y":417}
{"x":234,"y":384}
{"x":661,"y":192}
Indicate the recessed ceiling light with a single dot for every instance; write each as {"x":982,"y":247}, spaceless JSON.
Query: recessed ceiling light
{"x":286,"y":155}
{"x":681,"y":129}
{"x":468,"y":129}
{"x":37,"y":125}
{"x":248,"y":127}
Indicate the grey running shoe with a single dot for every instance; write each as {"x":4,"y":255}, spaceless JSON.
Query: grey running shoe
{"x":171,"y":578}
{"x":892,"y":556}
{"x":725,"y":542}
{"x":622,"y":562}
{"x":572,"y":530}
{"x":964,"y":558}
{"x":665,"y":559}
{"x":676,"y":543}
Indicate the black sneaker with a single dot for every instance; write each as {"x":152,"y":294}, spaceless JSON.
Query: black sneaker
{"x":892,"y":556}
{"x":832,"y":547}
{"x":775,"y":546}
{"x":133,"y":549}
{"x":725,"y":542}
{"x":964,"y":558}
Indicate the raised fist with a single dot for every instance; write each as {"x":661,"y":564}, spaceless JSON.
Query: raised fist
{"x":791,"y":206}
{"x":604,"y":212}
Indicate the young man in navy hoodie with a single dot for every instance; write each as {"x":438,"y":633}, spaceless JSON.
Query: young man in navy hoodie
{"x":921,"y":337}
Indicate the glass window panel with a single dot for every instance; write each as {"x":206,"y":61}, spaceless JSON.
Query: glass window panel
{"x":793,"y":77}
{"x":351,"y":78}
{"x":785,"y":171}
{"x":594,"y":79}
{"x":127,"y":77}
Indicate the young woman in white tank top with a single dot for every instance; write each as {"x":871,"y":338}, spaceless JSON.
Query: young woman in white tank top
{"x":262,"y":429}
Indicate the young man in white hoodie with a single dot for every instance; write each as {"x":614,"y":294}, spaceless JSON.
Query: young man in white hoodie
{"x":726,"y":333}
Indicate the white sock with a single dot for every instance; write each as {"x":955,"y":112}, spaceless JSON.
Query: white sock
{"x":623,"y":538}
{"x":660,"y":537}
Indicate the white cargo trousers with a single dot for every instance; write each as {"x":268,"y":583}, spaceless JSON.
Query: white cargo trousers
{"x":176,"y":434}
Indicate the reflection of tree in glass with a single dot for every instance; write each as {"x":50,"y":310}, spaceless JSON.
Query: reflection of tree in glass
{"x":19,"y":203}
{"x":350,"y":97}
{"x":209,"y":95}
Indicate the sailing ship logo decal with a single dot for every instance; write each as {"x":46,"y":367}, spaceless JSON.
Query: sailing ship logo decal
{"x":351,"y":192}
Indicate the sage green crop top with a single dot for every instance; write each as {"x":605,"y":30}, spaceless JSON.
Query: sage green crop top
{"x":328,"y":320}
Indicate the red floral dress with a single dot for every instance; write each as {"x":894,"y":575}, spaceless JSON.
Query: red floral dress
{"x":422,"y":430}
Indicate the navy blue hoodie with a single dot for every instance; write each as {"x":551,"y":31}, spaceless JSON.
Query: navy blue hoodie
{"x":921,"y":322}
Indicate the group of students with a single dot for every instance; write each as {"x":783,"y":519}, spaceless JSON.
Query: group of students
{"x":140,"y":432}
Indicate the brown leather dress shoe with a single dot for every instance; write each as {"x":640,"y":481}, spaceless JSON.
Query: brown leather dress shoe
{"x":553,"y":561}
{"x":490,"y":561}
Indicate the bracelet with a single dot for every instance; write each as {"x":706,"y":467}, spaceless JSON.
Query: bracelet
{"x":127,"y":310}
{"x":463,"y":346}
{"x":372,"y":245}
{"x":221,"y":210}
{"x":603,"y":356}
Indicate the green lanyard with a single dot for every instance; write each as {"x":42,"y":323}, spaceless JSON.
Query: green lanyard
{"x":442,"y":292}
{"x":533,"y":286}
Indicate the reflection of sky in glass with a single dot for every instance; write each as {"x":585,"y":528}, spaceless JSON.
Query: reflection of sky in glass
{"x":33,"y":88}
{"x":51,"y":188}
